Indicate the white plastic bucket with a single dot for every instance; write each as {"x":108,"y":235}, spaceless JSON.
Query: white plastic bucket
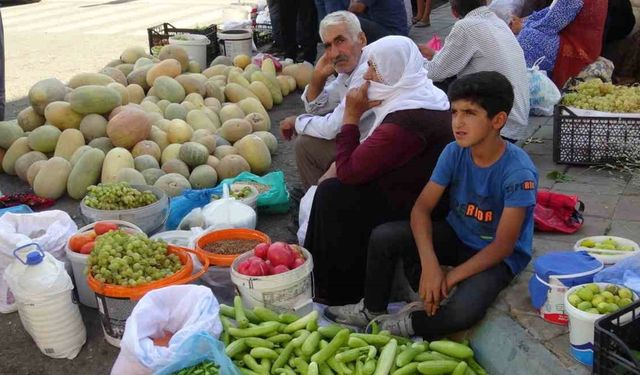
{"x":78,"y":261}
{"x":195,"y":45}
{"x":581,"y":327}
{"x":290,"y":291}
{"x":235,"y":42}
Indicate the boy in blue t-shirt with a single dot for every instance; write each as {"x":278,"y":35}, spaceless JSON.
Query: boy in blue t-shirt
{"x":486,"y":238}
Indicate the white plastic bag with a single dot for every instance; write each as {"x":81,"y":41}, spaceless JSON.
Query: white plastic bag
{"x":544,"y":94}
{"x":184,"y":310}
{"x":229,"y":213}
{"x":304,"y":212}
{"x":50,"y":229}
{"x":505,"y":9}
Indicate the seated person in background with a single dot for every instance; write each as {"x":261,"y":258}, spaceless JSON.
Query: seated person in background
{"x":380,"y":18}
{"x":376,"y":179}
{"x":315,"y":147}
{"x":480,"y":41}
{"x":568,"y":34}
{"x":486,"y":238}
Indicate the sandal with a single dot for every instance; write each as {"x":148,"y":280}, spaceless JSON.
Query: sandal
{"x":422,"y":24}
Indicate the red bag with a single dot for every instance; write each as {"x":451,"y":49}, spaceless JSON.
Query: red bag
{"x":556,"y":212}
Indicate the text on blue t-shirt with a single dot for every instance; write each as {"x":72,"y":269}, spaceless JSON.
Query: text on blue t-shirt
{"x":479,"y":195}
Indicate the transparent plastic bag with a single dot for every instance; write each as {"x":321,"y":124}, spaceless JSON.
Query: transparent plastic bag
{"x":544,"y":94}
{"x":182,"y":205}
{"x":626,"y":272}
{"x":196,"y":349}
{"x":275,"y":200}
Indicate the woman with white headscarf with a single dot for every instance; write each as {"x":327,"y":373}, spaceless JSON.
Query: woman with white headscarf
{"x":377,"y":179}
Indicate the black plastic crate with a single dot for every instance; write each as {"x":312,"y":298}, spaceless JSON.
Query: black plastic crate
{"x":262,"y":34}
{"x":593,"y":140}
{"x":159,"y":36}
{"x":616,"y":335}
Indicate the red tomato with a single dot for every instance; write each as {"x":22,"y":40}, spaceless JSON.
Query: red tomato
{"x":103,"y":227}
{"x":78,"y":240}
{"x":86,"y":248}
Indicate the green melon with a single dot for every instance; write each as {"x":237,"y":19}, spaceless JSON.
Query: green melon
{"x":193,"y":154}
{"x":203,"y":176}
{"x":44,"y":138}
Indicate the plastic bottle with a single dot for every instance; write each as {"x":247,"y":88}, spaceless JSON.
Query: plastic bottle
{"x":43,"y":292}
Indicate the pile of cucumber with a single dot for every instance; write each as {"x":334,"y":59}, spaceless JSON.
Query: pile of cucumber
{"x":262,"y":342}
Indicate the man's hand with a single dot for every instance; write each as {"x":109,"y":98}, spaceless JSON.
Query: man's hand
{"x":288,"y":127}
{"x":516,"y":24}
{"x":332,"y":172}
{"x":426,"y":52}
{"x":324,"y":67}
{"x":357,"y":102}
{"x":431,"y":281}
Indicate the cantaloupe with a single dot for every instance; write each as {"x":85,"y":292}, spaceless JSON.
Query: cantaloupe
{"x":25,"y":161}
{"x":213,"y":90}
{"x":131,"y":54}
{"x":85,"y":172}
{"x":94,"y":99}
{"x":159,"y":137}
{"x":131,"y":176}
{"x":44,"y":138}
{"x":203,"y":176}
{"x":195,"y":98}
{"x":102,"y":143}
{"x":230,"y":111}
{"x":44,"y":92}
{"x":18,"y":148}
{"x":152,"y":175}
{"x":194,"y":67}
{"x":172,"y":184}
{"x":116,"y":74}
{"x":198,"y":119}
{"x":234,"y":92}
{"x":115,"y":160}
{"x":179,"y":131}
{"x":175,"y":52}
{"x":175,"y":111}
{"x":191,"y":84}
{"x":169,"y":89}
{"x":144,"y":162}
{"x":258,"y":122}
{"x":255,"y":152}
{"x":193,"y":154}
{"x":128,"y":128}
{"x":136,"y":93}
{"x":29,"y":119}
{"x":33,"y":170}
{"x":139,"y":77}
{"x":205,"y":138}
{"x":222,"y":60}
{"x":231,"y":166}
{"x":9,"y":132}
{"x":169,"y":68}
{"x":146,"y":147}
{"x":213,"y":161}
{"x":78,"y":153}
{"x":251,"y":105}
{"x":176,"y":166}
{"x":51,"y":180}
{"x":224,"y":150}
{"x":93,"y":126}
{"x":269,"y":140}
{"x":122,"y":90}
{"x":60,"y":115}
{"x":68,"y":142}
{"x":85,"y":79}
{"x":234,"y":129}
{"x":170,"y":152}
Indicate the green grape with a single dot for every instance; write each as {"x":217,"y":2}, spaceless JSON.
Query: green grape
{"x":131,"y":260}
{"x":595,"y":95}
{"x":117,"y":196}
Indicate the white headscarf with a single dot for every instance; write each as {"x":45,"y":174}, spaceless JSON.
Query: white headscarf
{"x":398,"y":62}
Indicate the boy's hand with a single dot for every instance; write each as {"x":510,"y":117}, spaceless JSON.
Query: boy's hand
{"x":431,"y":281}
{"x":450,"y":280}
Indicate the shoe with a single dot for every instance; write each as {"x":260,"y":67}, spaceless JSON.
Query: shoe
{"x":353,"y":315}
{"x":400,"y":323}
{"x":422,"y":24}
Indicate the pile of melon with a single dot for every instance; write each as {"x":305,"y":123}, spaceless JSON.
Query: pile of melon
{"x":158,"y":121}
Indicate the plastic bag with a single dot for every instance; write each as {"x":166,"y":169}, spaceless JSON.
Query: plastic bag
{"x":198,"y":348}
{"x":556,"y":212}
{"x":257,"y":60}
{"x":435,"y":43}
{"x":544,"y":94}
{"x":184,"y":310}
{"x":626,"y":272}
{"x":505,"y":9}
{"x":228,"y":212}
{"x":182,"y":205}
{"x":49,"y":229}
{"x":273,"y":201}
{"x":305,"y":212}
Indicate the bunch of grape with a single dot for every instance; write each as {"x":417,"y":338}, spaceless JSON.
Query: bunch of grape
{"x":130,"y":260}
{"x":607,"y":97}
{"x":117,"y":196}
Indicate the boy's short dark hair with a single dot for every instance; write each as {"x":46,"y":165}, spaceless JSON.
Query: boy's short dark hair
{"x":465,"y":6}
{"x":490,"y":90}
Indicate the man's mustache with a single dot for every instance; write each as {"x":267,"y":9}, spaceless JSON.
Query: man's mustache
{"x":340,"y":58}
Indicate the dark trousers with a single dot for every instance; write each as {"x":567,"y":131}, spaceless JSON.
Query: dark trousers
{"x":2,"y":90}
{"x":341,"y":220}
{"x":274,"y":15}
{"x":467,"y":303}
{"x":373,"y":30}
{"x":290,"y":10}
{"x":325,"y":7}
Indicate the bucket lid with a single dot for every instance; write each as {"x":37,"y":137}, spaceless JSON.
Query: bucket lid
{"x":566,"y":264}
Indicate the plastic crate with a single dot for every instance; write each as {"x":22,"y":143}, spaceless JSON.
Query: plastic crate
{"x":593,"y":140}
{"x":262,"y":34}
{"x":616,"y":335}
{"x":159,"y":36}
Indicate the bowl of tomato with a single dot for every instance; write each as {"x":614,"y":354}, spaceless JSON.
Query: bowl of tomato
{"x":79,"y":247}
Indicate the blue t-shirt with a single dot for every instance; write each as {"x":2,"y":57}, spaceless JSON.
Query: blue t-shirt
{"x":390,"y":14}
{"x":478,"y":196}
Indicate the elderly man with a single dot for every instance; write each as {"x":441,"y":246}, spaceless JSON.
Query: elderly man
{"x":315,"y":147}
{"x":480,"y":41}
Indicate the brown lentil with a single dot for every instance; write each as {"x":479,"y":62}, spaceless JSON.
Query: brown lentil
{"x":231,"y":247}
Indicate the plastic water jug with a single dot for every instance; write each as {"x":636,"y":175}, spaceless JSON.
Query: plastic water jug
{"x":43,"y":292}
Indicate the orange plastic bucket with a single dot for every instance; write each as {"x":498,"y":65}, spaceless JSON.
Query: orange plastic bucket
{"x":115,"y":302}
{"x":225,"y":260}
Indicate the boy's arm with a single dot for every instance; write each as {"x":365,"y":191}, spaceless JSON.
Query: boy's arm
{"x":432,"y":276}
{"x":500,"y":248}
